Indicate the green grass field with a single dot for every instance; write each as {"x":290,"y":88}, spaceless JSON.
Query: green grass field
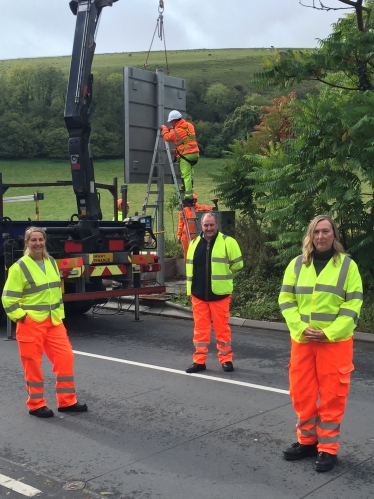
{"x":60,"y":203}
{"x":228,"y":66}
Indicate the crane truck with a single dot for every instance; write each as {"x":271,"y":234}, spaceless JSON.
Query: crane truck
{"x":86,"y":248}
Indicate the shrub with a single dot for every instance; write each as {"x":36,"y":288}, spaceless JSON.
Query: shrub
{"x":173,"y":249}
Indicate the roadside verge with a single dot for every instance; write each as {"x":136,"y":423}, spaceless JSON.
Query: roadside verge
{"x":169,"y":309}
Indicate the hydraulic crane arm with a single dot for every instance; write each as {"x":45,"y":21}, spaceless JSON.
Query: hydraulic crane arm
{"x":79,"y":106}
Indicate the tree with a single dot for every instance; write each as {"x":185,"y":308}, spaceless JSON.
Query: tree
{"x":197,"y":108}
{"x":348,"y":50}
{"x":361,"y":10}
{"x":235,"y":186}
{"x":222,"y":100}
{"x":275,"y":123}
{"x":18,"y":138}
{"x":325,"y":164}
{"x":326,"y":169}
{"x":54,"y":143}
{"x":241,"y":122}
{"x":206,"y":132}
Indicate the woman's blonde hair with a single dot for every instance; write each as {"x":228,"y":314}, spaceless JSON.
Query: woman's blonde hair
{"x":27,"y":237}
{"x":308,"y":247}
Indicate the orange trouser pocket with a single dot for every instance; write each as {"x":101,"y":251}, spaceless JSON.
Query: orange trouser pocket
{"x":344,"y":379}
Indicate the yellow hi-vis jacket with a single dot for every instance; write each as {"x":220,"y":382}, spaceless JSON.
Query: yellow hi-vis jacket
{"x":226,"y":261}
{"x":28,"y":290}
{"x":330,"y":302}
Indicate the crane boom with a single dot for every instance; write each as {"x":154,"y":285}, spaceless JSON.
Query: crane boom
{"x":79,"y":107}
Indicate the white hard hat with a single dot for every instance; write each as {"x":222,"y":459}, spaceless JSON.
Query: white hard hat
{"x":174,"y":115}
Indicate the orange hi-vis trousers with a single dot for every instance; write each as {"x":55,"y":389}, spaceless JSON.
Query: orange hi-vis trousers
{"x":204,"y":313}
{"x":33,"y":339}
{"x":319,"y":385}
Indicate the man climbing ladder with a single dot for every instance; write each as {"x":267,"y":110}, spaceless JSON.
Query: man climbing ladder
{"x":182,"y":133}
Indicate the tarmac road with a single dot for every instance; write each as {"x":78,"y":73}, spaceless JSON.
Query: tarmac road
{"x":152,"y":431}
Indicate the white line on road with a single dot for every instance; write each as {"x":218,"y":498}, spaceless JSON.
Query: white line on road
{"x":176,"y":371}
{"x":19,"y":487}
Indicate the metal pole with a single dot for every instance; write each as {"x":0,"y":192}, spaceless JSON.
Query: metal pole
{"x":115,"y":206}
{"x":1,"y":196}
{"x":36,"y":206}
{"x":10,"y":330}
{"x":137,"y":284}
{"x":124,"y":200}
{"x":160,"y":181}
{"x":137,"y":308}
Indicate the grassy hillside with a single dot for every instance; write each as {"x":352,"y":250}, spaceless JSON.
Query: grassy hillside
{"x":59,"y":202}
{"x":228,"y":66}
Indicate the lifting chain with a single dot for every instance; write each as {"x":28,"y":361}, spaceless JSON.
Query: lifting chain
{"x":161,"y":34}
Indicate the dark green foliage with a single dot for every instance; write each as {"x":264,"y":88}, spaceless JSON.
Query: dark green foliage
{"x":257,"y":286}
{"x":325,"y":163}
{"x":222,"y":100}
{"x":347,"y":50}
{"x":35,"y":91}
{"x":173,"y":249}
{"x":240,"y":123}
{"x":18,"y":138}
{"x":233,"y":184}
{"x":198,"y":109}
{"x":206,"y":133}
{"x":32,"y":108}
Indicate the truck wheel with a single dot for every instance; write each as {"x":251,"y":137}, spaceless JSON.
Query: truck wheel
{"x":76,"y":308}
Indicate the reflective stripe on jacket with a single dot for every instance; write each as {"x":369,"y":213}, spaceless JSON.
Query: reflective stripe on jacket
{"x":183,"y":136}
{"x":330,"y":302}
{"x":28,"y":290}
{"x":226,"y":261}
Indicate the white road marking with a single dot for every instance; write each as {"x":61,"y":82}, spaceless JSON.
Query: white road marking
{"x":176,"y":371}
{"x":19,"y":487}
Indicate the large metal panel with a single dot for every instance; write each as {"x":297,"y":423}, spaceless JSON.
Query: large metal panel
{"x":140,"y":120}
{"x":225,"y":220}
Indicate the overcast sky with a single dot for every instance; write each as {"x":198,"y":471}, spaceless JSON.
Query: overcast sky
{"x":39,"y":28}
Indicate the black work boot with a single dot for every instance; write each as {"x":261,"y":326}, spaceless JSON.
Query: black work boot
{"x":42,"y":412}
{"x":325,"y":461}
{"x":195,"y":368}
{"x":228,"y":366}
{"x":77,"y":407}
{"x":299,"y":451}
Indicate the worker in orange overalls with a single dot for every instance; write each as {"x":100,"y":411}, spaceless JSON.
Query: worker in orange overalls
{"x":182,"y":233}
{"x":119,"y":205}
{"x":320,"y":299}
{"x":32,"y":298}
{"x":182,"y":133}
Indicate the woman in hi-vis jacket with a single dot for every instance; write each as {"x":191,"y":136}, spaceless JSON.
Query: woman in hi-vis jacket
{"x":320,"y":299}
{"x":32,"y":298}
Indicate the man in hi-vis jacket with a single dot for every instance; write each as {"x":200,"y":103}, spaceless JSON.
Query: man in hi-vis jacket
{"x":212,"y":261}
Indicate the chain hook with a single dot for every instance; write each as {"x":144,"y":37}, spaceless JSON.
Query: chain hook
{"x":161,"y":7}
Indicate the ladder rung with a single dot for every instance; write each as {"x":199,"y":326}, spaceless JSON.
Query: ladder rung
{"x":153,"y":192}
{"x":158,"y":164}
{"x":156,"y":178}
{"x":150,"y":206}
